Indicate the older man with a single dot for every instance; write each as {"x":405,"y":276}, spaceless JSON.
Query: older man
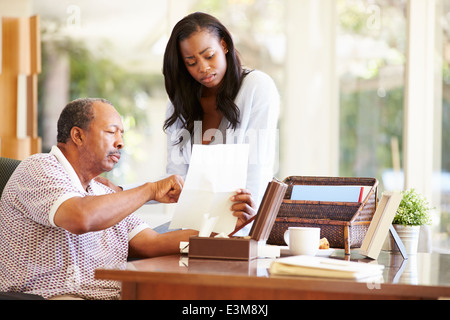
{"x":58,"y":223}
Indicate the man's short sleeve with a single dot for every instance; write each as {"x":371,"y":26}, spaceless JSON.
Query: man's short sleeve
{"x":135,"y":225}
{"x":41,"y":185}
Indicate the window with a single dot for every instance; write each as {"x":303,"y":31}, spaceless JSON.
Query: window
{"x":370,"y":59}
{"x":442,"y":231}
{"x":339,"y":66}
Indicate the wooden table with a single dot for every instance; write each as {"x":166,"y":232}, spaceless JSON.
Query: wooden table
{"x":425,"y":276}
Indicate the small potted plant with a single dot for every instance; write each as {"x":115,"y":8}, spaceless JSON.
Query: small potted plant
{"x":413,"y":212}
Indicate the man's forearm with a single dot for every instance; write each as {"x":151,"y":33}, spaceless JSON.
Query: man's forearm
{"x":94,"y":213}
{"x":148,"y":243}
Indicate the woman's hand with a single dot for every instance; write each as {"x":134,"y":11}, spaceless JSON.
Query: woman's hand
{"x":108,"y":183}
{"x":243,"y":207}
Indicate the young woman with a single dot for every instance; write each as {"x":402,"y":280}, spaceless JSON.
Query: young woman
{"x":213,"y":100}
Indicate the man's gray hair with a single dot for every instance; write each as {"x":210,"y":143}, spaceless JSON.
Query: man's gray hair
{"x":78,"y":113}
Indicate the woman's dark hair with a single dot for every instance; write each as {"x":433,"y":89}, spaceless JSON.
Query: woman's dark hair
{"x":78,"y":113}
{"x":183,"y":90}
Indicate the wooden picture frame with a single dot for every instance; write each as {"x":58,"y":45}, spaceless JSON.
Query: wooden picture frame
{"x":381,"y":225}
{"x":268,"y":210}
{"x":1,"y":44}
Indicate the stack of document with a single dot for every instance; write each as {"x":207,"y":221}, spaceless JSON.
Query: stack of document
{"x":324,"y":267}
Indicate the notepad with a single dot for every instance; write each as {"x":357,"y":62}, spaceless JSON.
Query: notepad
{"x":327,"y":193}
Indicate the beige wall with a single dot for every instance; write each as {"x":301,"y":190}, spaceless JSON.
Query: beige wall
{"x":15,"y":8}
{"x":309,"y":137}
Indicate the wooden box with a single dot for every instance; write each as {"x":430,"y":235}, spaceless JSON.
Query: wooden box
{"x":344,"y":224}
{"x":243,"y":248}
{"x":234,"y":248}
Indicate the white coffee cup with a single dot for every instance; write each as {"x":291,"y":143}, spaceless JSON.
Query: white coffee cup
{"x":303,"y":240}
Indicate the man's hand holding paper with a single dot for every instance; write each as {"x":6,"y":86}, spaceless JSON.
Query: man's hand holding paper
{"x":215,"y":173}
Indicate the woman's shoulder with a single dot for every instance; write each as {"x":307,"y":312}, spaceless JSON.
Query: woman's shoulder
{"x":258,"y":82}
{"x":258,"y":78}
{"x":257,"y":75}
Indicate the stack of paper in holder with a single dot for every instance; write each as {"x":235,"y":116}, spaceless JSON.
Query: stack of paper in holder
{"x":324,"y":267}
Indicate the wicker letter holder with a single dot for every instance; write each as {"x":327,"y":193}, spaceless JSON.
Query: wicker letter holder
{"x":243,"y":248}
{"x":344,"y":224}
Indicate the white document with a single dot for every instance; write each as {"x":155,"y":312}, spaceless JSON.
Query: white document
{"x":215,"y":173}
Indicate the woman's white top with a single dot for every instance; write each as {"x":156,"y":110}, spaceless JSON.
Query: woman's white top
{"x":259,"y":107}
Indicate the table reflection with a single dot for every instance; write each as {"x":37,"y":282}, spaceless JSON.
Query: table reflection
{"x":419,"y":269}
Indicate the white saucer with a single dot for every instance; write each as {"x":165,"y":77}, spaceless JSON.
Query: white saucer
{"x":324,"y":252}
